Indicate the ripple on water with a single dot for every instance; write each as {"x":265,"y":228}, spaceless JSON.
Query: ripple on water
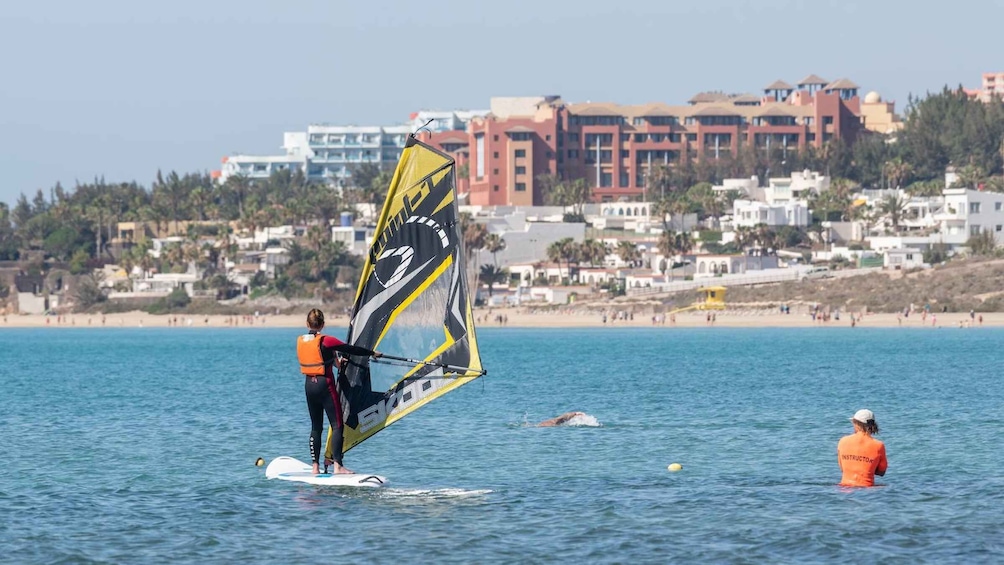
{"x":151,"y":456}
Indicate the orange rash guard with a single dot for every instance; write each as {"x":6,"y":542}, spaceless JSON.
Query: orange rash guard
{"x":861,"y":457}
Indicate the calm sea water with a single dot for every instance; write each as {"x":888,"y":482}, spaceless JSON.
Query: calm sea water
{"x":137,"y":446}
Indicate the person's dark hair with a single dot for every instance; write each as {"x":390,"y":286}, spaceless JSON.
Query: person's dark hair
{"x":315,"y":319}
{"x":870,"y":426}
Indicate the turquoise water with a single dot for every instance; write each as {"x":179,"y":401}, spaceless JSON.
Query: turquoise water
{"x":137,"y":446}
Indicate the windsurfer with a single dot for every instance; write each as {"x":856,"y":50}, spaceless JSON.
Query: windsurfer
{"x":564,"y":418}
{"x":317,"y":355}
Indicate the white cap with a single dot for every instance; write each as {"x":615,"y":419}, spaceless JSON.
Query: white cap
{"x":863,"y":416}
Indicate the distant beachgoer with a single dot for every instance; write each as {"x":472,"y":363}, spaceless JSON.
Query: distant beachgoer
{"x":980,"y":319}
{"x":316,"y":353}
{"x":560,"y":419}
{"x":861,"y":456}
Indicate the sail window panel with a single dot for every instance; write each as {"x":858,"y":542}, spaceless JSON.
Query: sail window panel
{"x":417,"y":330}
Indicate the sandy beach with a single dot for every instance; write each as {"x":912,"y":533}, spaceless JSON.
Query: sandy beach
{"x":520,"y":318}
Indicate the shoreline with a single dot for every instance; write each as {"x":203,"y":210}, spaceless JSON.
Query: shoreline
{"x":514,"y":317}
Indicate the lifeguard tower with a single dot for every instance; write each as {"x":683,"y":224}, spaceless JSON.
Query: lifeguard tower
{"x":714,"y":298}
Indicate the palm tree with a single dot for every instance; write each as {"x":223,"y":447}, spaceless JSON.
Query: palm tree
{"x":564,"y":249}
{"x":474,"y":235}
{"x":491,"y":274}
{"x":173,"y":195}
{"x":594,"y":251}
{"x":995,"y":184}
{"x":236,"y":189}
{"x":628,"y":252}
{"x":893,"y":206}
{"x":970,"y":176}
{"x":744,"y":238}
{"x":667,"y":246}
{"x":897,"y":171}
{"x":493,"y":244}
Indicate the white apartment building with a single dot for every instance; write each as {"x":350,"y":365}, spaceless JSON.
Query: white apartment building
{"x":969,"y":212}
{"x":324,"y":153}
{"x":448,"y":120}
{"x":799,"y":186}
{"x":749,"y":213}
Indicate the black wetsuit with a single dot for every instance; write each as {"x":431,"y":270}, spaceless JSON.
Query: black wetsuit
{"x":322,"y":397}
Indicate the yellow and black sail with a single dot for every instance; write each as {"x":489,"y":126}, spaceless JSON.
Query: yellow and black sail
{"x":413,"y":302}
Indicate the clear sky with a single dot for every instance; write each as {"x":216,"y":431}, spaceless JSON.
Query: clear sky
{"x":121,"y":88}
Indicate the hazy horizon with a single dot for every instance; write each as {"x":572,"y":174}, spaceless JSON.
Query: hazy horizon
{"x":120,"y":89}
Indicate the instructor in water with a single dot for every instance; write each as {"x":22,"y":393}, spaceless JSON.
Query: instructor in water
{"x":317,"y":356}
{"x":861,"y":456}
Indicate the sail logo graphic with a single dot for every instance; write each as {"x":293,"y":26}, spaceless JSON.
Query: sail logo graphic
{"x":393,"y":263}
{"x":401,"y":399}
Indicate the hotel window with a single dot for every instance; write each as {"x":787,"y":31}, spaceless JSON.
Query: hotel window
{"x":495,"y":155}
{"x":549,"y":155}
{"x":521,"y":152}
{"x":974,"y":229}
{"x":625,"y":153}
{"x":638,"y":121}
{"x":625,"y":179}
{"x":997,"y":206}
{"x":495,"y":138}
{"x":495,"y":171}
{"x":521,"y":187}
{"x":810,"y":136}
{"x":998,"y":227}
{"x":640,"y":137}
{"x":573,"y":153}
{"x":606,"y":180}
{"x":674,"y":138}
{"x":663,"y":120}
{"x":573,"y":137}
{"x":603,"y":138}
{"x":520,"y":170}
{"x":547,"y":138}
{"x":495,"y":188}
{"x":520,"y":136}
{"x":691,"y":137}
{"x":827,"y":120}
{"x":809,"y":120}
{"x":974,"y":207}
{"x":689,"y":121}
{"x":625,"y":137}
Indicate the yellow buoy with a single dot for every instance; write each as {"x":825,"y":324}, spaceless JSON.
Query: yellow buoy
{"x":674,"y":467}
{"x":259,"y":462}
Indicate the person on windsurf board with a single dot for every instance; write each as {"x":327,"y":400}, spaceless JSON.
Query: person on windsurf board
{"x":317,"y":354}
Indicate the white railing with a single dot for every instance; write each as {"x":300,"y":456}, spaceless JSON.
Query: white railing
{"x":741,"y":280}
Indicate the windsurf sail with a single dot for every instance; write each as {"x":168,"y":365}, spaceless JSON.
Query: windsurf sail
{"x":412,"y":303}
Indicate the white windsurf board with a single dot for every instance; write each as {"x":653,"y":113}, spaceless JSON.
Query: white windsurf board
{"x":290,"y":469}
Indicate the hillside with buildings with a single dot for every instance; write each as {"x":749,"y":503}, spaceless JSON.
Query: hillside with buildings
{"x":562,"y":201}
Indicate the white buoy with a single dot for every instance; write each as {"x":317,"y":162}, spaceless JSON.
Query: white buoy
{"x":674,"y":467}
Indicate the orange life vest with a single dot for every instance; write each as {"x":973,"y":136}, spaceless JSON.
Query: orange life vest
{"x":308,"y":351}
